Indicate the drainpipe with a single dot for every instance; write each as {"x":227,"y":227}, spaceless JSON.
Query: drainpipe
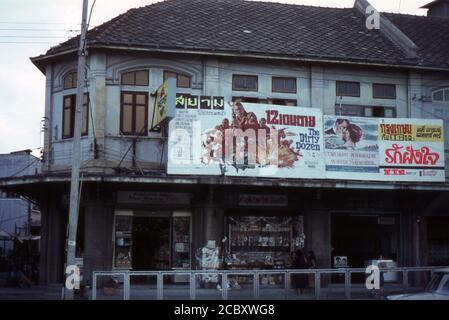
{"x":409,"y":97}
{"x":134,"y":151}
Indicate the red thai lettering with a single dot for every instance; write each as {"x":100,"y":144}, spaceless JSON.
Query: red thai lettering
{"x":400,"y":155}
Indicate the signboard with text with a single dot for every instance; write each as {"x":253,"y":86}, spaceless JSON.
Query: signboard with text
{"x":244,"y":139}
{"x":211,"y":137}
{"x":411,"y":150}
{"x":352,"y":148}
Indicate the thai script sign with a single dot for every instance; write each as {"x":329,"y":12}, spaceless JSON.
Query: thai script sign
{"x":211,"y":137}
{"x":411,"y":150}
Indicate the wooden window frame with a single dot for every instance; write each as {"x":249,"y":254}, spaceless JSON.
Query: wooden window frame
{"x":177,"y":78}
{"x":72,"y":115}
{"x":74,"y":80}
{"x":294,"y":101}
{"x":385,"y":84}
{"x":363,"y":109}
{"x":263,"y":101}
{"x":134,"y":106}
{"x":135,"y":78}
{"x":234,"y":76}
{"x":347,"y":95}
{"x":284,"y":78}
{"x":443,"y":93}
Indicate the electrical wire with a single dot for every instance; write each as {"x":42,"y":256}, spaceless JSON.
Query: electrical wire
{"x":23,"y":169}
{"x":34,"y":37}
{"x":14,"y":218}
{"x":90,"y":13}
{"x":28,"y":42}
{"x":36,"y":23}
{"x":39,"y":29}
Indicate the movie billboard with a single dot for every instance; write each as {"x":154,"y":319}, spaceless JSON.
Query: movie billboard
{"x":412,"y":150}
{"x":351,"y":148}
{"x":244,"y":139}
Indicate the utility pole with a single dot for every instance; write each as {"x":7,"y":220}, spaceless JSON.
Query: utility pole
{"x":76,"y":157}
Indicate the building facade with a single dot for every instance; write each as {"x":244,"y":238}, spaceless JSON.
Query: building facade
{"x":135,"y":215}
{"x":19,"y":216}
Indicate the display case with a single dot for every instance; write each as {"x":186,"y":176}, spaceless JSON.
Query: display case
{"x":181,"y":256}
{"x":181,"y":242}
{"x":123,"y":241}
{"x":260,"y":242}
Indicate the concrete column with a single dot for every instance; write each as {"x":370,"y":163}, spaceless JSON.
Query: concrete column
{"x":48,"y":116}
{"x":98,"y":97}
{"x":52,"y":243}
{"x":98,"y":243}
{"x":318,"y":237}
{"x":198,"y":240}
{"x":415,"y":92}
{"x":316,"y":87}
{"x":213,"y":219}
{"x":44,"y":207}
{"x":211,"y":77}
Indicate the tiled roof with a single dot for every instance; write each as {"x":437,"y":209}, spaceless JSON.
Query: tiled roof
{"x":261,"y":28}
{"x":430,"y":34}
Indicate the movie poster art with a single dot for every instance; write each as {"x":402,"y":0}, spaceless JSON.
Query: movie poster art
{"x":351,"y":148}
{"x":244,"y":139}
{"x":282,"y":141}
{"x":412,"y":150}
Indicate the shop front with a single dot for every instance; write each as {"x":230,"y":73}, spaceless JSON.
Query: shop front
{"x":149,"y":237}
{"x":262,"y":231}
{"x":358,"y":238}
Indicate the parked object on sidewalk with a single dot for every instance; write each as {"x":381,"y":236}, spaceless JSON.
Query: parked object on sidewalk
{"x":437,"y":289}
{"x":110,"y":287}
{"x":17,"y":277}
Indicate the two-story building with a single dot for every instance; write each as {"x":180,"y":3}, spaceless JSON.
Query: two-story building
{"x":133,"y":214}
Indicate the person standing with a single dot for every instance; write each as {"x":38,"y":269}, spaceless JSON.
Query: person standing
{"x":311,"y":263}
{"x":299,"y":280}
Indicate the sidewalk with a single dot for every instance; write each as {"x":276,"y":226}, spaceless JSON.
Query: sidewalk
{"x":33,"y":293}
{"x":182,"y":292}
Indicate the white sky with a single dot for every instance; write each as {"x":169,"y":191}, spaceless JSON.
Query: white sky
{"x":22,"y":86}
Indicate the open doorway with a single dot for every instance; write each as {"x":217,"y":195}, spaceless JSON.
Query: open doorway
{"x":438,"y":240}
{"x":151,"y":243}
{"x":364,"y":237}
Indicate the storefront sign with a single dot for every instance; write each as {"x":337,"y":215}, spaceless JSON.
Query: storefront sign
{"x":153,"y":198}
{"x":164,"y":105}
{"x":258,"y":200}
{"x":184,"y":100}
{"x":244,"y":139}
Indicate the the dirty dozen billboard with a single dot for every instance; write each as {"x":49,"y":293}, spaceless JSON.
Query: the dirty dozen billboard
{"x":211,"y":137}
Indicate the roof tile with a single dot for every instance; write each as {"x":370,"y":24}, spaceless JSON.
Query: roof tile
{"x":236,"y":26}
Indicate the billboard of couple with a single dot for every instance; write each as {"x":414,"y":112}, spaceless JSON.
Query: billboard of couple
{"x":351,"y":134}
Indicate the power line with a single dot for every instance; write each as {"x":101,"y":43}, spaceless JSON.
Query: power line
{"x":23,"y":169}
{"x":27,"y":42}
{"x":14,"y":218}
{"x":34,"y":37}
{"x":38,"y":30}
{"x":38,"y":23}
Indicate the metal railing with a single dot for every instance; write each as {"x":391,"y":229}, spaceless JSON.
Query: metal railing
{"x":225,"y":275}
